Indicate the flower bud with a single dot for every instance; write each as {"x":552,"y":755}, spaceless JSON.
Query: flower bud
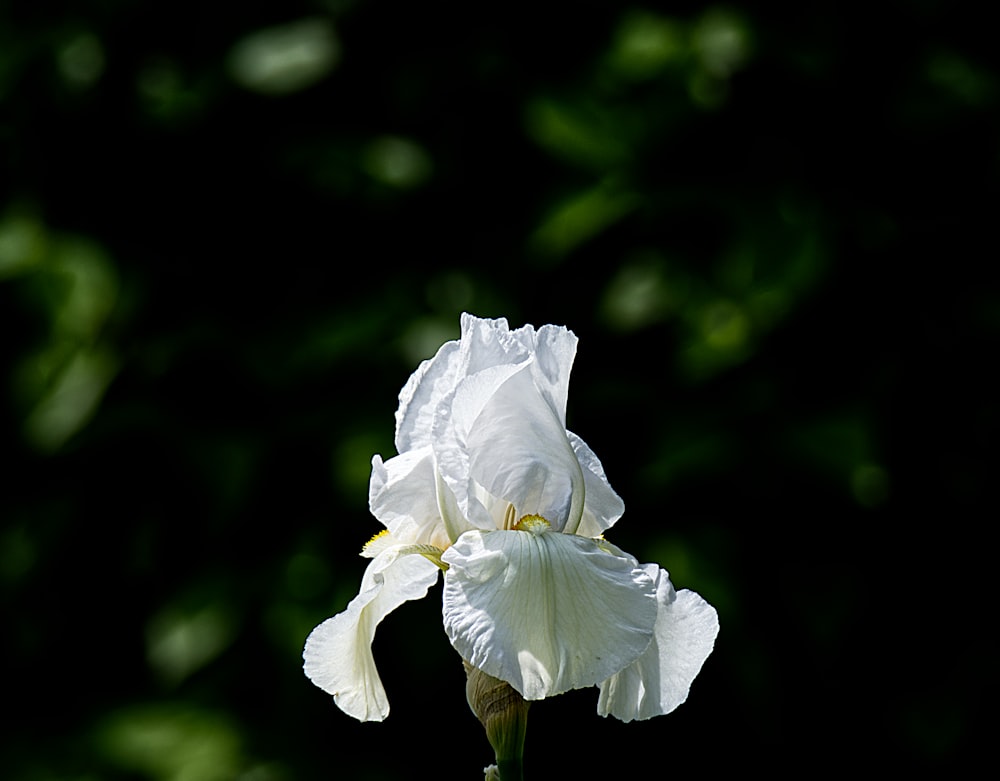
{"x":503,"y":713}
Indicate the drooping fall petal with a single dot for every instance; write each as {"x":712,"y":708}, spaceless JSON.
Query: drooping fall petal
{"x":659,"y":680}
{"x":544,"y":611}
{"x":338,"y":653}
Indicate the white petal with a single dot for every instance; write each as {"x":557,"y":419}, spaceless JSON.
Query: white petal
{"x":554,"y":348}
{"x":459,"y":400}
{"x":403,"y":495}
{"x":550,"y":351}
{"x":455,"y":521}
{"x":483,"y":344}
{"x":546,"y":612}
{"x":487,"y":343}
{"x":458,"y":413}
{"x":603,"y":506}
{"x":504,"y":440}
{"x":338,"y":655}
{"x":659,"y":680}
{"x":433,"y":380}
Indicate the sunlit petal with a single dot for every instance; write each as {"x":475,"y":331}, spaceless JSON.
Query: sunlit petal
{"x":659,"y":680}
{"x":455,"y":520}
{"x":603,"y":506}
{"x":484,"y":344}
{"x":338,"y":655}
{"x":433,"y":380}
{"x":401,"y":495}
{"x":520,"y":451}
{"x":505,"y":438}
{"x":546,"y":612}
{"x":554,"y":348}
{"x":551,"y":350}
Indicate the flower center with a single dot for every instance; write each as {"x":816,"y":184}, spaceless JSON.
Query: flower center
{"x":535,"y":524}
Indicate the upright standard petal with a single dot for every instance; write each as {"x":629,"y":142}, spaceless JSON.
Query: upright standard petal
{"x":554,"y":348}
{"x":522,"y":454}
{"x":603,"y":506}
{"x":338,"y":654}
{"x":659,"y":680}
{"x":544,"y":611}
{"x":504,"y":438}
{"x":434,"y":379}
{"x":486,"y":343}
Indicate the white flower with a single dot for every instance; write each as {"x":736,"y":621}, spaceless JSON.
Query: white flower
{"x":491,"y":488}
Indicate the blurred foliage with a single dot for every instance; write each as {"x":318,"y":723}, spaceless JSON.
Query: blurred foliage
{"x":228,"y":235}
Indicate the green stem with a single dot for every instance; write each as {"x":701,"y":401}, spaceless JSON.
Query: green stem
{"x":510,"y":769}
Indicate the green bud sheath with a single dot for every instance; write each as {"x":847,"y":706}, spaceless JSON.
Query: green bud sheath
{"x":504,"y":714}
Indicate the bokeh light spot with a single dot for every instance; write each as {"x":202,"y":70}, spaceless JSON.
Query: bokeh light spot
{"x":169,"y":742}
{"x":580,"y":217}
{"x":397,"y":162}
{"x":870,"y":484}
{"x":961,"y":78}
{"x":179,"y":642}
{"x":81,"y":60}
{"x":724,"y":326}
{"x":23,"y":243}
{"x":722,"y":41}
{"x":644,"y":44}
{"x":286,"y":58}
{"x":90,"y":284}
{"x":580,"y":134}
{"x":639,"y":294}
{"x":71,"y":399}
{"x":61,"y":382}
{"x":18,"y":553}
{"x":424,"y":335}
{"x":164,"y":92}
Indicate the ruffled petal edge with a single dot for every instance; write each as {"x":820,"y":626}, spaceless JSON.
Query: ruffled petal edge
{"x":544,"y":611}
{"x":338,"y":656}
{"x":660,"y":679}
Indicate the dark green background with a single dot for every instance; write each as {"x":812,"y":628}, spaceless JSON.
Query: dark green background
{"x":773,"y":232}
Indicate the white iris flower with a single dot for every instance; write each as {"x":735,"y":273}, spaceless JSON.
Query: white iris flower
{"x":491,"y":488}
